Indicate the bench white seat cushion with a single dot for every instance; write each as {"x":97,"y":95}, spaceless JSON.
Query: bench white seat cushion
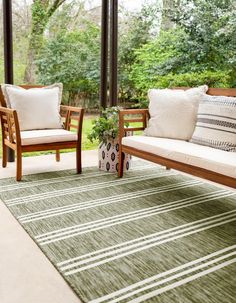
{"x":212,"y":159}
{"x":32,"y":137}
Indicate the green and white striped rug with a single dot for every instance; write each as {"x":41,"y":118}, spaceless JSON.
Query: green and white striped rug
{"x":153,"y":236}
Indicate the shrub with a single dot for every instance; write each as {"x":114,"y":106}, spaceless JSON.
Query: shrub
{"x":212,"y":79}
{"x":151,"y":57}
{"x":106,"y":127}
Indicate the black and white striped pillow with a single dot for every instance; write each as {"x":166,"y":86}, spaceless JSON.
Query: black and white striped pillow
{"x":216,"y":123}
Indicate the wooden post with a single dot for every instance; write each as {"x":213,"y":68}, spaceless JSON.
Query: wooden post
{"x":8,"y":52}
{"x":113,"y":53}
{"x":104,"y":53}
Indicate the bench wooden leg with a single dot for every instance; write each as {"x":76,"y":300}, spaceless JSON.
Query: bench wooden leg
{"x":58,"y":158}
{"x":4,"y":155}
{"x":18,"y":166}
{"x":78,"y":160}
{"x":121,"y":164}
{"x":168,"y":168}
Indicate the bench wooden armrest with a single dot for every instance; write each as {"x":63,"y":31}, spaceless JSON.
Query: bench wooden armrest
{"x":137,"y":115}
{"x":71,"y":114}
{"x":10,"y":126}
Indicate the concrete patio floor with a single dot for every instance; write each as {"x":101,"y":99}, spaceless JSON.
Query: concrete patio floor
{"x":40,"y":164}
{"x":27,"y":276}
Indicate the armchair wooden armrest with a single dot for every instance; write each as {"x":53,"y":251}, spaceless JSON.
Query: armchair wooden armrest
{"x":73,"y":113}
{"x":10,"y":127}
{"x":11,"y":136}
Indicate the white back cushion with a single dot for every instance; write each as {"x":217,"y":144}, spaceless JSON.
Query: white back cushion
{"x":37,"y":108}
{"x":173,"y":113}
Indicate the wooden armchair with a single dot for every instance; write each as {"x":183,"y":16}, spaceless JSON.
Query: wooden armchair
{"x":29,"y":141}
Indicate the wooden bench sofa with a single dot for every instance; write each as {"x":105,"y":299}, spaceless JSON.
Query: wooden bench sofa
{"x":200,"y":161}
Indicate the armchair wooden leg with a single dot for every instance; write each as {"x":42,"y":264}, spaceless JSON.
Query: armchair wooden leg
{"x":18,"y":166}
{"x":121,"y":164}
{"x":58,"y":158}
{"x":4,"y":155}
{"x":78,"y":160}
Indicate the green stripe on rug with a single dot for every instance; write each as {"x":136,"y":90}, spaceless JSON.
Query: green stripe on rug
{"x":153,"y":236}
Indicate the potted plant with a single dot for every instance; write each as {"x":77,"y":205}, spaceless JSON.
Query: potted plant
{"x":105,"y":130}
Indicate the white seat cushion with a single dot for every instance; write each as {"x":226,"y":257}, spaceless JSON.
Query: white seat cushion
{"x":212,"y":159}
{"x":32,"y":137}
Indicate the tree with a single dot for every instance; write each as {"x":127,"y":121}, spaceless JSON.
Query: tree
{"x":211,"y":35}
{"x":201,"y":48}
{"x":73,"y":59}
{"x":42,"y":11}
{"x":147,"y":68}
{"x":168,"y":9}
{"x":71,"y":17}
{"x":135,"y":30}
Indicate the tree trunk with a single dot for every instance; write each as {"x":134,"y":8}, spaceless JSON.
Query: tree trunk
{"x":35,"y":45}
{"x":29,"y":76}
{"x":42,"y":10}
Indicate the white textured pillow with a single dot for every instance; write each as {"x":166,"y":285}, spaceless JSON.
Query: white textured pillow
{"x":37,"y":108}
{"x":173,"y":112}
{"x":216,"y":123}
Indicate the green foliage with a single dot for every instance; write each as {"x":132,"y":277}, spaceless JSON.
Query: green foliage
{"x":212,"y":79}
{"x":106,"y":127}
{"x":39,"y":17}
{"x":73,"y":59}
{"x":135,"y":31}
{"x":200,"y":49}
{"x":149,"y":59}
{"x":41,"y":11}
{"x":210,"y":41}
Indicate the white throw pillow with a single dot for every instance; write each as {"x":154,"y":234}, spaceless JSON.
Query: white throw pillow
{"x":173,"y":113}
{"x":37,"y":108}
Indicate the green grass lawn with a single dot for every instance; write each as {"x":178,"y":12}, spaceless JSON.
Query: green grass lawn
{"x":86,"y":144}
